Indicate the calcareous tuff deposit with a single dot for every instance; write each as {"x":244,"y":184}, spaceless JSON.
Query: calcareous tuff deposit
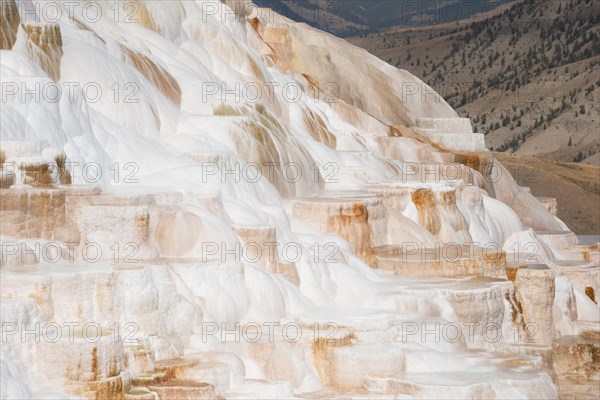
{"x":204,"y":199}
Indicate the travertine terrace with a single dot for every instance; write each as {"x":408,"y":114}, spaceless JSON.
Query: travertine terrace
{"x":203,"y":199}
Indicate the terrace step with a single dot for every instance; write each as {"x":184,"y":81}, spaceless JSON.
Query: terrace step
{"x":560,"y":240}
{"x":360,"y":220}
{"x":262,"y":247}
{"x":260,"y":389}
{"x":475,"y":304}
{"x":352,"y":326}
{"x":550,"y":204}
{"x":462,"y":125}
{"x":139,"y":393}
{"x":102,"y":389}
{"x":584,"y":276}
{"x":21,"y":148}
{"x":183,"y":390}
{"x":348,"y":366}
{"x":588,"y":248}
{"x":97,"y":216}
{"x":466,"y":142}
{"x":443,"y":261}
{"x":576,"y":360}
{"x":197,"y":368}
{"x":148,"y":379}
{"x":82,"y":361}
{"x":589,"y":329}
{"x":405,"y":149}
{"x":458,"y":385}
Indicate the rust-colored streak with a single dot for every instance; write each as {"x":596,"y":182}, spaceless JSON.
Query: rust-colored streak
{"x":480,"y":162}
{"x":141,"y":15}
{"x":156,"y":74}
{"x":352,"y":224}
{"x":44,"y":45}
{"x":254,"y":23}
{"x":95,"y":371}
{"x":424,"y":200}
{"x":448,"y":198}
{"x":318,"y":130}
{"x":589,"y":292}
{"x":9,"y":24}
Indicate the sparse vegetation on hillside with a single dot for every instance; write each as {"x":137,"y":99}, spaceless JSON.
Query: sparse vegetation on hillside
{"x":528,"y":77}
{"x":346,"y":18}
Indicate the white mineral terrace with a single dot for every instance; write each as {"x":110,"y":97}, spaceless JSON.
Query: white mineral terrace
{"x":193,"y":244}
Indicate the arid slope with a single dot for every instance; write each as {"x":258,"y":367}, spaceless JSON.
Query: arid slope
{"x":526,"y":74}
{"x":575,"y":186}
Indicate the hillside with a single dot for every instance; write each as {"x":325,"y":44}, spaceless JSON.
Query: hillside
{"x":527,"y":77}
{"x":576,"y":188}
{"x":353,"y":17}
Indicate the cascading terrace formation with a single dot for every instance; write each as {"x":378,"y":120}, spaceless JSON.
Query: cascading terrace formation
{"x":204,"y":199}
